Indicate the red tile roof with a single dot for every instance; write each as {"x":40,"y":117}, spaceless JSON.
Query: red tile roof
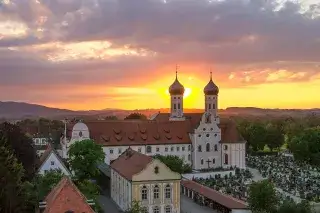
{"x":157,"y":131}
{"x":132,"y":132}
{"x":130,"y":163}
{"x":225,"y":200}
{"x":66,"y":196}
{"x":229,"y":131}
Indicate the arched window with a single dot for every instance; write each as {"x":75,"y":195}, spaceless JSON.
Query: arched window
{"x":226,"y":160}
{"x":201,"y":161}
{"x":208,"y":147}
{"x":216,"y":147}
{"x":168,"y":209}
{"x":144,"y":193}
{"x":213,"y":161}
{"x":80,"y":134}
{"x":167,"y":192}
{"x":149,"y":150}
{"x":156,"y":192}
{"x":156,"y":209}
{"x":199,"y":148}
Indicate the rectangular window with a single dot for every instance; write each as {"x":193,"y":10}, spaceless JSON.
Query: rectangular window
{"x":119,"y":150}
{"x":174,"y":106}
{"x":156,"y":193}
{"x":189,"y":147}
{"x":179,"y":106}
{"x":52,"y":163}
{"x":178,"y":148}
{"x":167,"y":192}
{"x":144,"y":194}
{"x":209,"y":106}
{"x":172,"y":148}
{"x":183,"y":148}
{"x":157,"y":149}
{"x":213,"y":106}
{"x":166,"y":149}
{"x":139,"y":149}
{"x":111,"y":151}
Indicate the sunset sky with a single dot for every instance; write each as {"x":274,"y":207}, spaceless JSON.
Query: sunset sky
{"x":96,"y":54}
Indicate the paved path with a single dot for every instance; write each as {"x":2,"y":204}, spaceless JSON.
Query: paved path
{"x":257,"y":177}
{"x":108,"y":205}
{"x":188,"y":206}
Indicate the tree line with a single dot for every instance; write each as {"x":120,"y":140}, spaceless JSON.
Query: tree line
{"x":301,"y":136}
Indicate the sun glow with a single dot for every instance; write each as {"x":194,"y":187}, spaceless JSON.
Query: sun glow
{"x":187,"y":92}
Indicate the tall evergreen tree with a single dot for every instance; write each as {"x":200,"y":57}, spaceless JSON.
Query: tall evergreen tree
{"x":13,"y":195}
{"x":21,"y":147}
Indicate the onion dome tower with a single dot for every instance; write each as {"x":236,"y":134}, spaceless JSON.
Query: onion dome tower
{"x":211,"y":92}
{"x":176,"y":91}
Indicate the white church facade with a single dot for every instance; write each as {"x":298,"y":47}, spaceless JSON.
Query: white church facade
{"x":203,"y":140}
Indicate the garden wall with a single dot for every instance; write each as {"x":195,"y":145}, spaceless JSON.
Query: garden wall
{"x":204,"y":175}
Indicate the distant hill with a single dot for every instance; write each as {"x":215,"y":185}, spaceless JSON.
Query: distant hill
{"x":20,"y":110}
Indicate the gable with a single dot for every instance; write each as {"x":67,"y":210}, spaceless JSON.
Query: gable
{"x":53,"y":162}
{"x":65,"y":196}
{"x":148,"y":174}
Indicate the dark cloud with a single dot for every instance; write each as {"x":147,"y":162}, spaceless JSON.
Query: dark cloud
{"x":256,"y":34}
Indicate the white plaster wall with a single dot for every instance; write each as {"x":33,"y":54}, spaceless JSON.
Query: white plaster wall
{"x":189,"y":176}
{"x":121,"y":192}
{"x":241,"y":211}
{"x":204,"y":134}
{"x":162,"y":202}
{"x":184,"y":151}
{"x":236,"y":154}
{"x":177,"y":99}
{"x":46,"y":166}
{"x":213,"y":100}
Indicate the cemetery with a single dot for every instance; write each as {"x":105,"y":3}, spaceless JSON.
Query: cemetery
{"x":299,"y":180}
{"x":234,"y":185}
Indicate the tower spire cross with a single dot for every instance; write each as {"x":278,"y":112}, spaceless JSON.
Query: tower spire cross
{"x":176,"y":71}
{"x":210,"y":74}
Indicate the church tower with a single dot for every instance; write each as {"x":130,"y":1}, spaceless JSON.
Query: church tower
{"x":211,"y":92}
{"x":176,"y":91}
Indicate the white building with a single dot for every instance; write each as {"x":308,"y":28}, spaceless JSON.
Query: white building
{"x":138,"y":177}
{"x":50,"y":160}
{"x":203,"y":140}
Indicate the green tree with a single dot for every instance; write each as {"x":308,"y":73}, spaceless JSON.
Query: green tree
{"x":262,"y":197}
{"x":306,"y":146}
{"x":91,"y":191}
{"x":175,"y":163}
{"x":274,"y":136}
{"x":292,"y":207}
{"x":13,"y":194}
{"x":46,"y":182}
{"x":84,"y":157}
{"x":256,"y":136}
{"x":137,"y":116}
{"x":136,"y":208}
{"x":22,"y":147}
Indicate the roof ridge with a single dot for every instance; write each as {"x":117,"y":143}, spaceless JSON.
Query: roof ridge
{"x":225,"y":195}
{"x":58,"y":188}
